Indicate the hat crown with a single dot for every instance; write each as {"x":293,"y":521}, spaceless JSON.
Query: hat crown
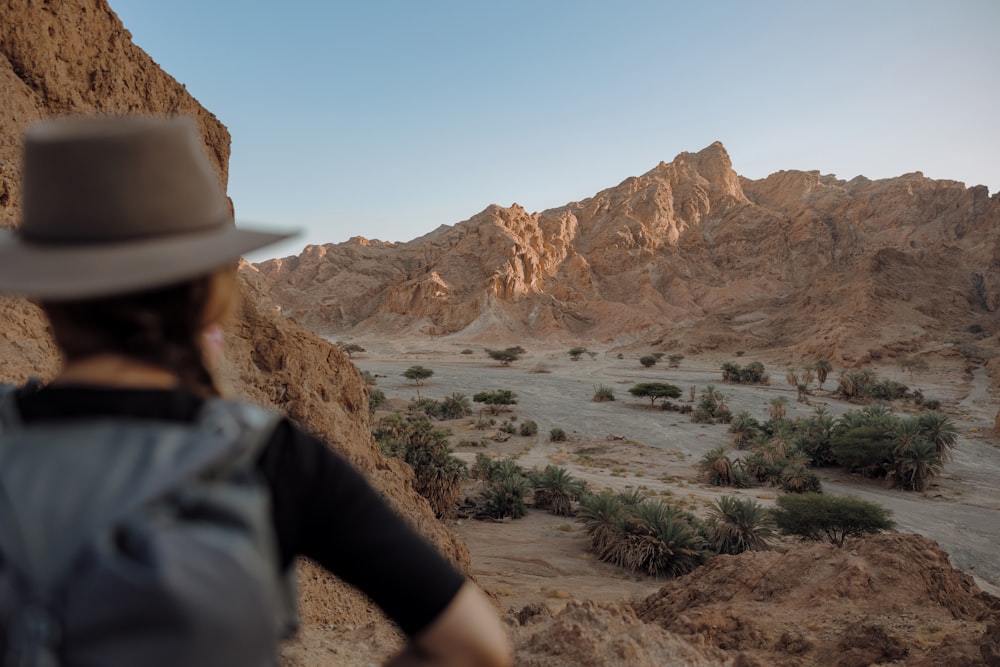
{"x":112,"y":179}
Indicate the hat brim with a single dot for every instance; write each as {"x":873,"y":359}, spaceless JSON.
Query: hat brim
{"x":74,"y":272}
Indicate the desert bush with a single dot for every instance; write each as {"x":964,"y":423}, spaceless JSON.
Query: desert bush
{"x":507,"y":355}
{"x":454,"y":406}
{"x":376,"y":399}
{"x":648,"y":360}
{"x":508,"y":427}
{"x":604,"y":393}
{"x":367,"y":378}
{"x":557,"y":434}
{"x":528,"y":428}
{"x":815,"y":516}
{"x":674,"y":360}
{"x":467,"y":351}
{"x":577,"y":352}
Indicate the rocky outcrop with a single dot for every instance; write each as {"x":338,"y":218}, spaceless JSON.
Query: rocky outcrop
{"x":687,"y":256}
{"x":62,"y":56}
{"x":879,"y":599}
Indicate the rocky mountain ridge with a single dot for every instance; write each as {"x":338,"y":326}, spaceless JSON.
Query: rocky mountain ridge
{"x":689,"y":255}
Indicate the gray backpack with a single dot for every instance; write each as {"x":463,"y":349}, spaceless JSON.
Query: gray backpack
{"x":138,"y":542}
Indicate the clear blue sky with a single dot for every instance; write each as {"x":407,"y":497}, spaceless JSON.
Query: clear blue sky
{"x":388,"y":118}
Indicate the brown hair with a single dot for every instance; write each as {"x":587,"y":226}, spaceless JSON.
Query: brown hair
{"x":161,"y":327}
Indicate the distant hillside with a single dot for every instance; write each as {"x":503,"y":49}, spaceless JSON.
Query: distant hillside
{"x":687,"y":256}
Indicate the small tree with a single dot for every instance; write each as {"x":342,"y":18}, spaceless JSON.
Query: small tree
{"x":577,"y":352}
{"x":350,"y":348}
{"x":674,"y":360}
{"x":507,"y":355}
{"x":814,"y":516}
{"x":654,"y":391}
{"x":417,"y":374}
{"x":496,"y":400}
{"x":648,"y":360}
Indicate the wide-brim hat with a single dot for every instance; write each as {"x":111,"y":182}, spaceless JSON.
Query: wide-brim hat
{"x":113,"y":205}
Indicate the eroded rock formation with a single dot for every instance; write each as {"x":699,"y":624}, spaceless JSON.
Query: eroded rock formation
{"x":687,"y":256}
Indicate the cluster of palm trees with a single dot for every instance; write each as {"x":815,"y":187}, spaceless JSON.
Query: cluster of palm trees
{"x":507,"y":485}
{"x":907,"y":451}
{"x":752,"y":373}
{"x":661,"y":538}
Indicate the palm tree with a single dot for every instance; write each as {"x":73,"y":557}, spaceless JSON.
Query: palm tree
{"x":791,"y":377}
{"x":823,"y":369}
{"x":717,"y":467}
{"x":807,"y":375}
{"x":918,"y":464}
{"x":940,"y":430}
{"x":905,"y":433}
{"x":742,"y":427}
{"x":777,"y":409}
{"x":736,"y":525}
{"x":556,"y":489}
{"x":601,"y":514}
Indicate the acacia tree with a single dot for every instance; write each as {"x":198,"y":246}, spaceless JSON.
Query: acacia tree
{"x":507,"y":355}
{"x":654,"y":391}
{"x":417,"y":374}
{"x":496,"y":400}
{"x":350,"y":348}
{"x":814,"y":516}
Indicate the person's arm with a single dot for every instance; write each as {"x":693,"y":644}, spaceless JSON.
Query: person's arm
{"x":468,"y":633}
{"x":327,"y":511}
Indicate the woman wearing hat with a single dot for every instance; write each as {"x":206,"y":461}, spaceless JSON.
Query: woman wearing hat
{"x":128,"y":245}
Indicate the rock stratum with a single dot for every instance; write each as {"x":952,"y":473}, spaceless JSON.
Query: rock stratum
{"x":687,"y":256}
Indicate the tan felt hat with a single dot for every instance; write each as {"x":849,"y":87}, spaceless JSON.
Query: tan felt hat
{"x":113,"y":205}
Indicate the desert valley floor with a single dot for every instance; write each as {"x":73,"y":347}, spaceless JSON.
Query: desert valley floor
{"x":624,"y":443}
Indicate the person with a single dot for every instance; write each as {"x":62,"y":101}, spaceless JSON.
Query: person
{"x":128,"y":245}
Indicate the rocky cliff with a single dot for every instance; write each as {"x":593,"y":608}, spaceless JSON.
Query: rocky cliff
{"x":75,"y":56}
{"x":687,"y":256}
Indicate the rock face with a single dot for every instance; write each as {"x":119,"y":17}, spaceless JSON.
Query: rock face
{"x":688,"y":255}
{"x":75,"y":56}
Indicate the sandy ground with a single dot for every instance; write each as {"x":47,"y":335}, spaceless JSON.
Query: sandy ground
{"x":621,"y":444}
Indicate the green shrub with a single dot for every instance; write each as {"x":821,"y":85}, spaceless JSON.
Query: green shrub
{"x":528,"y":428}
{"x":815,"y":516}
{"x":648,"y":360}
{"x":376,"y":399}
{"x":557,"y":434}
{"x":604,"y":393}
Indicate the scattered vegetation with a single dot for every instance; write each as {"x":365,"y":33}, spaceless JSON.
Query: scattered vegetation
{"x":376,"y":399}
{"x":711,"y":408}
{"x":577,"y":352}
{"x":674,"y":360}
{"x":496,"y":400}
{"x":557,"y":434}
{"x":752,"y":373}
